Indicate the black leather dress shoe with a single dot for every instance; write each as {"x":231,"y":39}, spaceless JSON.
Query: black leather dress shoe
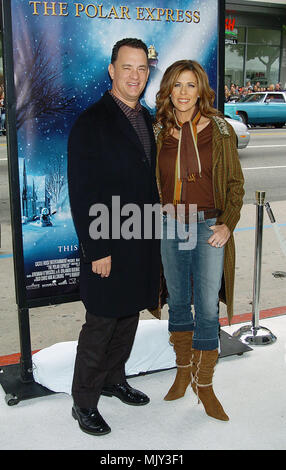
{"x":125,"y":393}
{"x":90,"y":420}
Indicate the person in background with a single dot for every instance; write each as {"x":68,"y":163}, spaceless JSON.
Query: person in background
{"x":2,"y":111}
{"x":226,"y":94}
{"x":233,"y":93}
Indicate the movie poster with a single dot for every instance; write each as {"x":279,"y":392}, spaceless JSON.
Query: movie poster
{"x":61,"y":51}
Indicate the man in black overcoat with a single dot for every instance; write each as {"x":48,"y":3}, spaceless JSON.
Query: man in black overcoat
{"x":111,"y":164}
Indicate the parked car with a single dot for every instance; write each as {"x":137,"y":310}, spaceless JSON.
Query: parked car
{"x":241,"y":131}
{"x":259,"y":108}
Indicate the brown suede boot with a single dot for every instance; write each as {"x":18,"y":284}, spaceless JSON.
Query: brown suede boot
{"x":182,"y":342}
{"x":203,"y":364}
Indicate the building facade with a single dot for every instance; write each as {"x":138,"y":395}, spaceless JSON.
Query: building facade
{"x":255,"y":42}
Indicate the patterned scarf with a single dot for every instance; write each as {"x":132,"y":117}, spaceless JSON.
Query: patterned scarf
{"x":188,"y":164}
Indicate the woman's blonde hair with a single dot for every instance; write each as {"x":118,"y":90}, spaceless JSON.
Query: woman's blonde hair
{"x":164,"y":114}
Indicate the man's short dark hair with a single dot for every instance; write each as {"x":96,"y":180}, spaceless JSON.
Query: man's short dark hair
{"x":130,"y":42}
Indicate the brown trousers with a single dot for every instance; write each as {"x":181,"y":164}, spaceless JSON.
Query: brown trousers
{"x":104,"y":346}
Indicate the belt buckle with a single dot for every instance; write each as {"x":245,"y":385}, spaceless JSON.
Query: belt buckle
{"x":200,"y":216}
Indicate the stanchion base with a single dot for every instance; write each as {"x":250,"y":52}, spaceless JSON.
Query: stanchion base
{"x":16,"y":390}
{"x":279,"y":274}
{"x":255,"y":336}
{"x":230,"y":346}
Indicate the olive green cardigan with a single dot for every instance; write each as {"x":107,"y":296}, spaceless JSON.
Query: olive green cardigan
{"x":228,"y":190}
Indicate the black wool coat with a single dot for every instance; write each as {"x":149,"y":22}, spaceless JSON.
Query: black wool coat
{"x":106,"y":159}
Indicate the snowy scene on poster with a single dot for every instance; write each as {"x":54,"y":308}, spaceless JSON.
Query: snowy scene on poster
{"x":61,"y":54}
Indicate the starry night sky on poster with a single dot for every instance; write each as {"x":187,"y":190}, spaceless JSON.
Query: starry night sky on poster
{"x":80,"y":48}
{"x":74,"y":47}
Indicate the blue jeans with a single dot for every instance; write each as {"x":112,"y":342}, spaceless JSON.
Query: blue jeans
{"x":204,"y":263}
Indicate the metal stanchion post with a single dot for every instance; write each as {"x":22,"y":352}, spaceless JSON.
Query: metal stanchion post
{"x":254,"y":334}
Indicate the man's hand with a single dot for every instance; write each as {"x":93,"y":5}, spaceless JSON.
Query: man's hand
{"x":220,"y":236}
{"x":102,"y":266}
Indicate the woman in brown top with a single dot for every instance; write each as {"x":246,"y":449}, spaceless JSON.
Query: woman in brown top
{"x":198,"y":168}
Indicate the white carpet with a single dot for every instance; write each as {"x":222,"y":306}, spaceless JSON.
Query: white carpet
{"x":251,"y":388}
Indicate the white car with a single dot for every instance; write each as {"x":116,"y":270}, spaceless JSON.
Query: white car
{"x":242,"y":133}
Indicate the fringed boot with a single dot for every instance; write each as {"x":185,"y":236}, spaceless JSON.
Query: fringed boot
{"x":203,"y":364}
{"x":182,"y":343}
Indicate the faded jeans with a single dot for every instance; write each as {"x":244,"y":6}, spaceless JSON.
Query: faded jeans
{"x":204,"y":264}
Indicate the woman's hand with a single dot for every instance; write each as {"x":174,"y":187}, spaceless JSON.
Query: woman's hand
{"x":220,"y":236}
{"x":102,"y":266}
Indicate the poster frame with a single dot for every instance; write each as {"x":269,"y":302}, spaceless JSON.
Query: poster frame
{"x":13,"y":163}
